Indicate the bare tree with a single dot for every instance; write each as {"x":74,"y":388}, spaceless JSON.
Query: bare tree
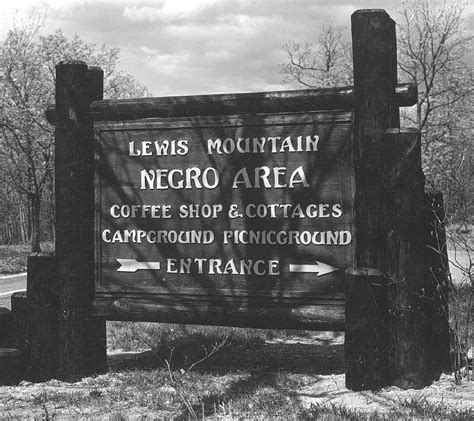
{"x":27,"y":72}
{"x":432,"y":48}
{"x":325,"y":63}
{"x":432,"y":52}
{"x":26,"y":137}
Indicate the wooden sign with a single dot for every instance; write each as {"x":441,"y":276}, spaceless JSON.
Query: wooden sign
{"x":247,"y":205}
{"x":239,"y":211}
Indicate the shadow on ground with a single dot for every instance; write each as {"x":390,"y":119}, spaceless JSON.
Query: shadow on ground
{"x":311,"y":355}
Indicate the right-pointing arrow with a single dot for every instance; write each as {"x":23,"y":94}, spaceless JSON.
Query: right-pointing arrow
{"x":319,"y":268}
{"x":131,"y":265}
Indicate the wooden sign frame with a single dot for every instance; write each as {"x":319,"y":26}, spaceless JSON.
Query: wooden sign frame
{"x":393,"y":336}
{"x":126,"y":299}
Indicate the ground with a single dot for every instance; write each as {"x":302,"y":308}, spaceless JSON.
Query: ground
{"x":296,"y":377}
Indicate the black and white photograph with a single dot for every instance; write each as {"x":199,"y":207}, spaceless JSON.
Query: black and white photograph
{"x":236,"y":209}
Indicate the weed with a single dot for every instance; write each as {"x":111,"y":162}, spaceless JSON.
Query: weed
{"x":330,"y":410}
{"x":461,"y":314}
{"x":435,"y":410}
{"x":177,"y":379}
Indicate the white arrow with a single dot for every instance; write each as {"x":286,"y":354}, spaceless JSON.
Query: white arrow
{"x":319,"y":268}
{"x":131,"y":265}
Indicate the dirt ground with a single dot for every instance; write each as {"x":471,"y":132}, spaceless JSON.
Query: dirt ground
{"x":306,"y":370}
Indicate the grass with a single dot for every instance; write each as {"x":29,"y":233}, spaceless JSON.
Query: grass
{"x":414,"y":408}
{"x":135,"y":336}
{"x":181,"y":346}
{"x":231,"y":386}
{"x":149,"y":394}
{"x":13,"y":257}
{"x":244,"y":380}
{"x":437,"y":410}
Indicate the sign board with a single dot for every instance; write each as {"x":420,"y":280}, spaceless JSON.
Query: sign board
{"x":245,"y":205}
{"x":245,"y":218}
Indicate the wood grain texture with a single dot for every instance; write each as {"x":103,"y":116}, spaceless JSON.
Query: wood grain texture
{"x":329,"y":171}
{"x":79,"y":352}
{"x":341,"y":98}
{"x":11,"y":366}
{"x":41,"y":351}
{"x":19,"y":306}
{"x":375,"y":78}
{"x":7,"y":339}
{"x":366,"y":340}
{"x":315,"y":315}
{"x":405,"y":258}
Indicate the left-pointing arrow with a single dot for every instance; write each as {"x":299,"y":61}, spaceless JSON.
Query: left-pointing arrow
{"x":131,"y":265}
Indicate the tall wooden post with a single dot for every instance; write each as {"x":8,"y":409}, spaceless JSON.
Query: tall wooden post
{"x":375,"y":78}
{"x":374,"y":48}
{"x":81,"y":339}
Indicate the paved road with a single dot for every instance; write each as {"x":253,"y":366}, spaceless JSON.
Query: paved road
{"x":9,"y":285}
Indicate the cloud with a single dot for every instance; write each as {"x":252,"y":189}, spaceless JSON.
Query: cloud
{"x":149,"y":51}
{"x":247,"y":21}
{"x":169,"y":11}
{"x":200,"y":46}
{"x":143,"y":14}
{"x":168,"y":64}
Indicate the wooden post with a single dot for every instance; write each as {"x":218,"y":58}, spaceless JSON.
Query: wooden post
{"x":98,"y":343}
{"x":375,"y":78}
{"x":374,"y":49}
{"x":42,"y":321}
{"x":12,"y":357}
{"x":7,"y":338}
{"x":405,"y":260}
{"x":437,"y":288}
{"x":81,"y":340}
{"x":19,"y":306}
{"x":11,"y":366}
{"x":365,"y":345}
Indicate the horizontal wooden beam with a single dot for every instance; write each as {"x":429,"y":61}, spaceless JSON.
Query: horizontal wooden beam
{"x":224,"y":104}
{"x":320,"y":315}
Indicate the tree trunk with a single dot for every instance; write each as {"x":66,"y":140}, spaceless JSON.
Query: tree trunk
{"x":52,"y":210}
{"x":23,"y":225}
{"x":35,"y":203}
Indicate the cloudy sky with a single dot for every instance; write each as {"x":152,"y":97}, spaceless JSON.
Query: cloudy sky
{"x":180,"y":47}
